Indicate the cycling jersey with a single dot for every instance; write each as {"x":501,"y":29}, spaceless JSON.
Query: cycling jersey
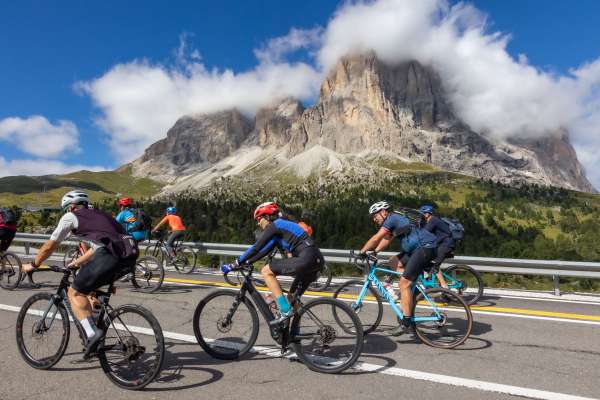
{"x":411,"y":238}
{"x":286,"y":235}
{"x":441,"y":230}
{"x":174,"y":221}
{"x":127,"y":218}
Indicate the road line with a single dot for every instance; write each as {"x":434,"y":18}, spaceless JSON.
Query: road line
{"x":274,"y":352}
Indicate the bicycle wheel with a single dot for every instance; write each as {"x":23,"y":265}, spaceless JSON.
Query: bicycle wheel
{"x":369,"y":310}
{"x":453,"y":319}
{"x":132,"y":353}
{"x":460,"y":278}
{"x":323,"y":280}
{"x":327,"y":335}
{"x":234,"y":278}
{"x":10,"y":271}
{"x":148,"y":274}
{"x":154,"y":250}
{"x":185,"y":259}
{"x":42,"y":341}
{"x":225,"y":327}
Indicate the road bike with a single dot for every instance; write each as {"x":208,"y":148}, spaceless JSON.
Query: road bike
{"x":184,"y":258}
{"x":147,"y":275}
{"x":131,"y":352}
{"x":325,"y":333}
{"x":442,"y":318}
{"x":10,"y":270}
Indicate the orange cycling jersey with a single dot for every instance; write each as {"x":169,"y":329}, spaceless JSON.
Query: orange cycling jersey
{"x":175,"y":223}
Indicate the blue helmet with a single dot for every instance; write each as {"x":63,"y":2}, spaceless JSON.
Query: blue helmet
{"x":171,"y":210}
{"x":426,"y":208}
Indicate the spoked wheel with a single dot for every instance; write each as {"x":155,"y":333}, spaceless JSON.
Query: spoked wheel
{"x":327,"y":335}
{"x":10,"y":270}
{"x":323,"y":280}
{"x":185,"y":260}
{"x":225,"y":327}
{"x":234,"y":278}
{"x":155,"y":251}
{"x":464,"y":281}
{"x":133,"y":350}
{"x":449,"y":321}
{"x":369,"y":310}
{"x":42,"y":341}
{"x":148,"y":274}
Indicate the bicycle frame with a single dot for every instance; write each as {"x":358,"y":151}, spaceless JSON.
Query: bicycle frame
{"x":431,"y":281}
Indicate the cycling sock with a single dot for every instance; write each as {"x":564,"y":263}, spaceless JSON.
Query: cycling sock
{"x":406,"y":320}
{"x":89,"y":326}
{"x":282,"y":303}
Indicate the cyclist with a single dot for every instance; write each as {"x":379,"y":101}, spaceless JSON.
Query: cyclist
{"x":304,"y":263}
{"x":111,"y":255}
{"x":445,"y":243}
{"x":418,"y":249}
{"x":8,"y":228}
{"x":176,"y":226}
{"x":130,"y":219}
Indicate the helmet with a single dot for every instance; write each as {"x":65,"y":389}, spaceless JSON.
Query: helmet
{"x":74,"y":197}
{"x":426,"y":208}
{"x":125,"y":201}
{"x":268,"y":208}
{"x":380,"y":205}
{"x":171,"y":210}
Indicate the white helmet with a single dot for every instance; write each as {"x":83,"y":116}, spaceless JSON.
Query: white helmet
{"x":380,"y":205}
{"x":74,"y":197}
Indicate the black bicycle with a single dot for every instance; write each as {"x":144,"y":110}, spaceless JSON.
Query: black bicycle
{"x":325,"y":333}
{"x":10,"y":270}
{"x":132,"y":350}
{"x":184,"y":258}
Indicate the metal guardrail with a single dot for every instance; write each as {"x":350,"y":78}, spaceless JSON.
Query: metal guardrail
{"x":554,"y":268}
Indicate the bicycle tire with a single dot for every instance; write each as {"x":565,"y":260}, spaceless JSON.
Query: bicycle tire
{"x":142,"y":275}
{"x":108,"y":367}
{"x":234,"y":278}
{"x":231,"y":350}
{"x":46,"y":362}
{"x":356,"y":336}
{"x":451,"y":302}
{"x":185,"y":259}
{"x":368,"y":326}
{"x":318,"y":286}
{"x":470,"y":298}
{"x":154,"y":250}
{"x":11,"y":273}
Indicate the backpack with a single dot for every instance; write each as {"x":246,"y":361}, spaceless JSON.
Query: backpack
{"x":129,"y":247}
{"x":456,"y":229}
{"x":142,"y":221}
{"x":7,"y":216}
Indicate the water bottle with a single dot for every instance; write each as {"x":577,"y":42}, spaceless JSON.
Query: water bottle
{"x":270,"y":300}
{"x":390,"y":289}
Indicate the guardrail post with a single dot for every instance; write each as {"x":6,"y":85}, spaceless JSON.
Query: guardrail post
{"x":556,"y":282}
{"x":27,"y":248}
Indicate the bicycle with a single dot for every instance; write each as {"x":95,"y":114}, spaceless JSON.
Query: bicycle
{"x":184,"y":259}
{"x":226,"y":326}
{"x":147,"y":275}
{"x":431,"y":313}
{"x":10,"y":270}
{"x":128,"y":360}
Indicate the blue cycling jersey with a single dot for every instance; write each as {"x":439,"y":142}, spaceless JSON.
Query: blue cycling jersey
{"x":411,"y":238}
{"x":128,"y":220}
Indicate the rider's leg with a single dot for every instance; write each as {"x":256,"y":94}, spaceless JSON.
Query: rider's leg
{"x":273,"y":285}
{"x":172,"y":238}
{"x":441,"y":253}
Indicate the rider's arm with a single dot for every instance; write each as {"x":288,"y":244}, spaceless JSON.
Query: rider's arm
{"x":162,"y":221}
{"x":375,"y":240}
{"x":65,"y":226}
{"x":263,"y":245}
{"x":385,"y":242}
{"x":45,"y":251}
{"x":83,"y":259}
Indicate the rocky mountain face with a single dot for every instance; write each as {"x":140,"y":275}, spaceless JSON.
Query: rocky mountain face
{"x":365,"y":107}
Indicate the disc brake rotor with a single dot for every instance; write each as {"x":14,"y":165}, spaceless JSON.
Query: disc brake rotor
{"x":223,"y":326}
{"x":326,"y":334}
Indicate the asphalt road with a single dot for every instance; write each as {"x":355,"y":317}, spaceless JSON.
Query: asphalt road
{"x":539,"y":348}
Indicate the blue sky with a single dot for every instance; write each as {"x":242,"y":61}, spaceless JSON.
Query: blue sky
{"x":50,"y":51}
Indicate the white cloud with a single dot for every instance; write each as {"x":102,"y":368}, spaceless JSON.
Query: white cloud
{"x":37,"y":136}
{"x":37,"y":167}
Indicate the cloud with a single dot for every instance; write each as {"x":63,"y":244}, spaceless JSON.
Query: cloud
{"x":37,"y":167}
{"x":37,"y":136}
{"x":275,"y":50}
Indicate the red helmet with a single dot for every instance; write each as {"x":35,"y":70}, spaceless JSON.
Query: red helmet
{"x":268,"y":208}
{"x":125,"y":201}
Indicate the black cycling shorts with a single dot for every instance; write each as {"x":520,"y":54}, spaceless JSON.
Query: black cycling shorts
{"x":415,"y":263}
{"x":6,"y":238}
{"x":305,"y":267}
{"x":103,"y":268}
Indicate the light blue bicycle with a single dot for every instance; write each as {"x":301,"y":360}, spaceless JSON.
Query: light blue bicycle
{"x":442,"y":318}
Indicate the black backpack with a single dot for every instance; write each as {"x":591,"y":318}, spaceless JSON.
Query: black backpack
{"x":142,"y":221}
{"x":456,"y":229}
{"x":7,"y":216}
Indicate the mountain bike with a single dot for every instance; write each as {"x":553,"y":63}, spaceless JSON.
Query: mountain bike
{"x":147,"y":275}
{"x":131,"y":352}
{"x":442,"y":318}
{"x":325,"y":333}
{"x":184,"y":259}
{"x":10,"y":270}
